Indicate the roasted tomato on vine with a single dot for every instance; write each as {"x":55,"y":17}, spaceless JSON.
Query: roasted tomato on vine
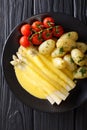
{"x":37,"y":39}
{"x":47,"y":34}
{"x":37,"y":26}
{"x":48,"y":22}
{"x":24,"y":41}
{"x":26,"y":30}
{"x":58,"y":31}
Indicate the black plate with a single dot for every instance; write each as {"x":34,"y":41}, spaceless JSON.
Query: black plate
{"x":77,"y":96}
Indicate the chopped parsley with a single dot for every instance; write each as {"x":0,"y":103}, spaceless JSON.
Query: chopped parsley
{"x":83,"y":71}
{"x":46,"y":46}
{"x":71,"y":60}
{"x":61,"y":50}
{"x":80,"y":59}
{"x":69,"y":34}
{"x":47,"y":43}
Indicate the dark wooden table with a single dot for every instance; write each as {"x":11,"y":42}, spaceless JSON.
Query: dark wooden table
{"x":14,"y":115}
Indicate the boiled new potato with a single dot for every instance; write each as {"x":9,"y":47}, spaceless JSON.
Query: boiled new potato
{"x":81,"y":73}
{"x":82,"y":46}
{"x":71,"y":35}
{"x":69,"y":62}
{"x":59,"y":63}
{"x":78,"y":57}
{"x":58,"y":52}
{"x":47,"y":47}
{"x":66,"y":44}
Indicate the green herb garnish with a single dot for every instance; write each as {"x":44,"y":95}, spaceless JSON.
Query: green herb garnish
{"x":83,"y":71}
{"x":61,"y":50}
{"x":81,"y":59}
{"x":69,"y":34}
{"x":71,"y":60}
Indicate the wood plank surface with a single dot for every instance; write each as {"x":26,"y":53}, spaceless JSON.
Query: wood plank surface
{"x":57,"y":121}
{"x":81,"y":117}
{"x":14,"y":115}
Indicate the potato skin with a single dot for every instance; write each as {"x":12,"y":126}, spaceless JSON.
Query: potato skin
{"x":59,"y":63}
{"x":66,"y":44}
{"x":78,"y":57}
{"x":80,"y":73}
{"x":69,"y":62}
{"x":71,"y":35}
{"x":82,"y":46}
{"x":58,"y":52}
{"x":47,"y":47}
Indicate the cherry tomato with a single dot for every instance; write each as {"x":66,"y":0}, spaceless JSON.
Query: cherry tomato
{"x":48,"y":22}
{"x":37,"y":26}
{"x":26,"y":30}
{"x":47,"y":34}
{"x":24,"y":41}
{"x":58,"y":31}
{"x":37,"y":39}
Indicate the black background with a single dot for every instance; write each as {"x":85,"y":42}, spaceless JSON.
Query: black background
{"x":14,"y":115}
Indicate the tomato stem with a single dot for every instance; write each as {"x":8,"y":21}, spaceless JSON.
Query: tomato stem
{"x":30,"y":37}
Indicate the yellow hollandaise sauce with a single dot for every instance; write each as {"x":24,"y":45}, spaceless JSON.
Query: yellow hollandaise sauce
{"x":23,"y":79}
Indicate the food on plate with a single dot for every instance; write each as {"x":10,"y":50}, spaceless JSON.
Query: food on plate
{"x":28,"y":83}
{"x":68,"y":73}
{"x":47,"y":47}
{"x":37,"y":26}
{"x":82,"y":46}
{"x":39,"y":31}
{"x":47,"y":34}
{"x":35,"y":68}
{"x":24,"y":41}
{"x":78,"y":57}
{"x":69,"y":62}
{"x":71,"y":35}
{"x":66,"y":44}
{"x":59,"y":63}
{"x":58,"y":31}
{"x":48,"y":22}
{"x":26,"y":30}
{"x":81,"y":72}
{"x":48,"y":60}
{"x":36,"y":39}
{"x":58,"y":52}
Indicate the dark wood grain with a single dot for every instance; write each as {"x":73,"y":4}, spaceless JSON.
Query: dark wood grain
{"x":14,"y":115}
{"x":81,"y":117}
{"x":59,"y":121}
{"x":80,"y":7}
{"x":1,"y":45}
